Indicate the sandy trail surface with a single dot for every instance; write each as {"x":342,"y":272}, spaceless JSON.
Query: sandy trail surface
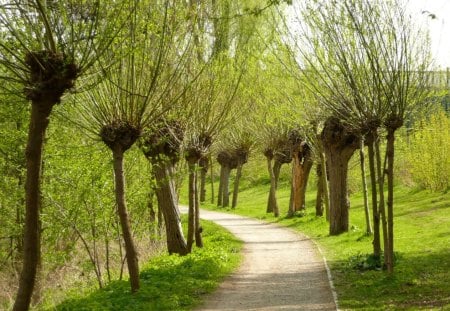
{"x":281,"y":270}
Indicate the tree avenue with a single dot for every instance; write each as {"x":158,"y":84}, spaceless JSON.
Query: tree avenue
{"x":183,"y":95}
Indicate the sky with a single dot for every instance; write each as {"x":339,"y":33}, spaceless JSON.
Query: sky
{"x":439,"y":27}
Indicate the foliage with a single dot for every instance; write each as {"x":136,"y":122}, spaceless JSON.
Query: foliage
{"x":427,"y":152}
{"x":168,"y":282}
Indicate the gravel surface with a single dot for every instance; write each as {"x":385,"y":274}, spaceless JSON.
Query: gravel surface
{"x":281,"y":270}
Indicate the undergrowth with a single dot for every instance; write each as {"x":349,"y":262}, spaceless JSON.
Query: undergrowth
{"x":168,"y":282}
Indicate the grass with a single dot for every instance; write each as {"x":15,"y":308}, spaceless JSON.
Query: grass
{"x":422,"y":244}
{"x":167,"y":282}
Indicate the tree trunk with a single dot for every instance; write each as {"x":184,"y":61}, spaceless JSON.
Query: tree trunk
{"x":272,"y":201}
{"x":225,"y":185}
{"x":306,"y":168}
{"x":236,"y":185}
{"x":198,"y":227}
{"x":339,"y":203}
{"x":220,"y":192}
{"x":302,"y":164}
{"x":339,"y":143}
{"x":373,"y":181}
{"x":203,"y":163}
{"x":390,"y":150}
{"x":320,"y":190}
{"x":167,"y":202}
{"x":381,"y":202}
{"x":296,"y":185}
{"x":326,"y":190}
{"x":364,"y":185}
{"x":273,"y":188}
{"x":39,"y":120}
{"x":191,"y":207}
{"x":130,"y":249}
{"x":212,"y":178}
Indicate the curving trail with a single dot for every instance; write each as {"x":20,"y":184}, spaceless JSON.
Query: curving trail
{"x":281,"y":270}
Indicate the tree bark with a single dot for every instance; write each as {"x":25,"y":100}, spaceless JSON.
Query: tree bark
{"x":203,"y":163}
{"x":320,"y":191}
{"x":198,"y":227}
{"x":373,"y":181}
{"x":236,"y":185}
{"x":390,"y":149}
{"x":381,"y":202}
{"x":225,"y":185}
{"x":273,"y":188}
{"x":39,"y":121}
{"x":130,"y":249}
{"x":167,"y":201}
{"x":324,"y":175}
{"x":296,"y":184}
{"x":220,"y":191}
{"x":364,"y":185}
{"x":212,"y":178}
{"x":339,"y":203}
{"x":191,"y":207}
{"x":306,"y":168}
{"x":339,"y":143}
{"x":272,"y":201}
{"x":302,"y":164}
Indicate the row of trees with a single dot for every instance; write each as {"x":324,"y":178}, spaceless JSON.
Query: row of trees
{"x":181,"y":83}
{"x":164,"y":74}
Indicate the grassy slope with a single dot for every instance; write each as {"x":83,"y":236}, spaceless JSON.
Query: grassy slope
{"x":422,"y":243}
{"x":167,"y":282}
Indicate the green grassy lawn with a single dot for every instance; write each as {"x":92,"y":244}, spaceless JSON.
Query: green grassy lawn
{"x":167,"y":282}
{"x":422,"y":245}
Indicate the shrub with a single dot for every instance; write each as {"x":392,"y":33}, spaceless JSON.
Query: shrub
{"x":427,"y":153}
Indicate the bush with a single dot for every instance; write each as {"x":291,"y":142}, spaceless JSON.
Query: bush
{"x":428,"y":150}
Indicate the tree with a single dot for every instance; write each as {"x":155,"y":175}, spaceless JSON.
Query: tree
{"x":302,"y":162}
{"x":369,"y":71}
{"x":137,"y":90}
{"x":161,"y":144}
{"x":45,"y":47}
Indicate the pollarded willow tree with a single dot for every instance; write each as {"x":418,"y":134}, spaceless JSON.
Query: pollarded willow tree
{"x":45,"y":46}
{"x":369,"y":68}
{"x":137,"y":90}
{"x":215,"y":99}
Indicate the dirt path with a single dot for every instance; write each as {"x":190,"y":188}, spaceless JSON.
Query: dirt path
{"x":281,"y":270}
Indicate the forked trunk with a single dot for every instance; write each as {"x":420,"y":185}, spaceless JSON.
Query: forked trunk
{"x":39,"y":120}
{"x":131,"y":253}
{"x":236,"y":185}
{"x":168,"y":204}
{"x":364,"y":185}
{"x":373,"y":184}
